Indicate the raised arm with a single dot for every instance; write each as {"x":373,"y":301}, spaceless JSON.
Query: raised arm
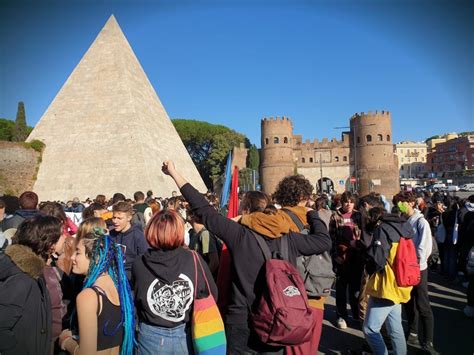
{"x":226,"y":229}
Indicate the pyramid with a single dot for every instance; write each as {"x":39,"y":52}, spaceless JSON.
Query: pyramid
{"x":106,"y":130}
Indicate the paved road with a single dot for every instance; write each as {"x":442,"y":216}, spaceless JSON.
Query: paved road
{"x":454,"y":333}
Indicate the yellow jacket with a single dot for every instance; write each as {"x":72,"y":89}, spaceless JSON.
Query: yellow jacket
{"x":382,"y":284}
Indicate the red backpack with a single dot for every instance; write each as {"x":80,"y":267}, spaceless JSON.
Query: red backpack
{"x":283,"y":316}
{"x":405,"y":265}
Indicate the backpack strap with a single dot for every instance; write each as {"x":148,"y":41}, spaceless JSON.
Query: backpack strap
{"x":284,"y":246}
{"x":294,"y":218}
{"x":263,"y":246}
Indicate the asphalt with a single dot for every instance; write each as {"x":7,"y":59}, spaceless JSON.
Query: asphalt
{"x":453,"y":333}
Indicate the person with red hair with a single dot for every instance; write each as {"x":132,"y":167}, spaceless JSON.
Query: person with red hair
{"x":165,"y":282}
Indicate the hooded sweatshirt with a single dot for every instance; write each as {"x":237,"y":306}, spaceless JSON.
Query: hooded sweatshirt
{"x":164,"y":284}
{"x":422,"y":238}
{"x":134,"y":242}
{"x":381,"y":255}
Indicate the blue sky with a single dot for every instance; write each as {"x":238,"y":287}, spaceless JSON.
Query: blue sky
{"x":235,"y":62}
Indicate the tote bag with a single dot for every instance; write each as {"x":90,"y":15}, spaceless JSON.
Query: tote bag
{"x":207,"y":326}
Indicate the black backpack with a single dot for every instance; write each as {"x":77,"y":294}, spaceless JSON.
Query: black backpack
{"x":316,"y":270}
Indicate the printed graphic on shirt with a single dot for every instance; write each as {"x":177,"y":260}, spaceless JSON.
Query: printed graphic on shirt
{"x":171,"y":302}
{"x":291,"y":291}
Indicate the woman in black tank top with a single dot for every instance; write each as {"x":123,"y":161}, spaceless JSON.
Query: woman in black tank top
{"x":105,"y":308}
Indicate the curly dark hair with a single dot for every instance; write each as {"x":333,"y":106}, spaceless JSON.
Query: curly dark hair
{"x":292,"y":189}
{"x":40,"y":233}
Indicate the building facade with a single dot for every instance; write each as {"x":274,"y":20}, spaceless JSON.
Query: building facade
{"x":411,"y":159}
{"x":362,"y":160}
{"x":452,"y":156}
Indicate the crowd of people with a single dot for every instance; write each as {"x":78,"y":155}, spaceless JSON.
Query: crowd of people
{"x":145,"y":276}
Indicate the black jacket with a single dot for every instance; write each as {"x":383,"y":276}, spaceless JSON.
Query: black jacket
{"x":134,"y":242}
{"x":247,"y":258}
{"x":25,"y":308}
{"x":164,"y":281}
{"x":389,"y":230}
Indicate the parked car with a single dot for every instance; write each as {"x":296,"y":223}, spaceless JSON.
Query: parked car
{"x":467,"y":187}
{"x":450,"y":188}
{"x":436,"y":187}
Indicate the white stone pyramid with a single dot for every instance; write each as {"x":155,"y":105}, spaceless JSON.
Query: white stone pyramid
{"x":106,"y":130}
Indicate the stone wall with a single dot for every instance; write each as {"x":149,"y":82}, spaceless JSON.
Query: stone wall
{"x":18,"y":167}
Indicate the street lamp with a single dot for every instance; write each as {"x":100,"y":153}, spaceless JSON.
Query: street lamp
{"x":356,"y":173}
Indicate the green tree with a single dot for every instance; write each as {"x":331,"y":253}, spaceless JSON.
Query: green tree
{"x":208,"y":146}
{"x":20,"y":131}
{"x":6,"y":129}
{"x":253,"y":158}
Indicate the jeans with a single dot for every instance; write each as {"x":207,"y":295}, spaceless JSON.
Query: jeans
{"x":159,"y":340}
{"x":379,"y":310}
{"x":450,"y":260}
{"x":418,"y":310}
{"x":344,"y":282}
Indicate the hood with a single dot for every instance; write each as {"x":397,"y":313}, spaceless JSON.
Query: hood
{"x":399,"y":223}
{"x":470,"y":206}
{"x":415,"y":217}
{"x":274,"y":226}
{"x":168,"y":263}
{"x":20,"y":258}
{"x":26,"y":213}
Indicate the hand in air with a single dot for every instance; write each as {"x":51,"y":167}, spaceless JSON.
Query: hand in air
{"x":168,"y":167}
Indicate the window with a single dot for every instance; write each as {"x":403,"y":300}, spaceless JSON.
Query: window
{"x":358,"y":140}
{"x":369,"y":138}
{"x":285,"y":140}
{"x":344,"y":158}
{"x":379,"y":137}
{"x":266,"y":140}
{"x":302,"y":160}
{"x":388,"y":137}
{"x":276,"y":140}
{"x":403,"y":168}
{"x":336,"y":159}
{"x":310,"y":160}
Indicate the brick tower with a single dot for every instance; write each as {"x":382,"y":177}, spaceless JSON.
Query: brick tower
{"x":277,"y":151}
{"x":376,"y":165}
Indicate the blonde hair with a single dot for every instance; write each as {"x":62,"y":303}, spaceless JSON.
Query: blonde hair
{"x":87,"y":226}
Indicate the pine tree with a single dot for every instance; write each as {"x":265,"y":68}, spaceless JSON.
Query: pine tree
{"x":20,"y":130}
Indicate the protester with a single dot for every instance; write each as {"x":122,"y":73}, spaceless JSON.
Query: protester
{"x":418,"y":309}
{"x":247,"y":283}
{"x":204,"y":242}
{"x":105,"y":305}
{"x":165,"y":286}
{"x":28,"y":208}
{"x":25,"y":305}
{"x":129,"y":236}
{"x":345,"y":229}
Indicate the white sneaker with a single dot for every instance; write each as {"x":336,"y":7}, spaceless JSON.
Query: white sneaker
{"x":341,"y":323}
{"x":469,"y":311}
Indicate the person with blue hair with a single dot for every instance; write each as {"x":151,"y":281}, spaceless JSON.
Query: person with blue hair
{"x":104,"y":307}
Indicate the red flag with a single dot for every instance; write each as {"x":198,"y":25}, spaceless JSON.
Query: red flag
{"x":225,"y":270}
{"x":234,"y":195}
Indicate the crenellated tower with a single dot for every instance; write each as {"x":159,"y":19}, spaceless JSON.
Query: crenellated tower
{"x":277,"y":151}
{"x":375,"y":162}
